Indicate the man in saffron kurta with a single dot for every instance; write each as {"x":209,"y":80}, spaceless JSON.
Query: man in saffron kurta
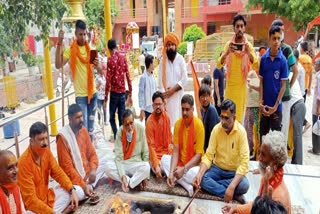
{"x":172,"y":76}
{"x":81,"y":72}
{"x":36,"y":165}
{"x":238,"y":65}
{"x":158,"y":133}
{"x":10,"y":197}
{"x":272,"y":157}
{"x":131,"y":164}
{"x":188,"y":141}
{"x":77,"y":155}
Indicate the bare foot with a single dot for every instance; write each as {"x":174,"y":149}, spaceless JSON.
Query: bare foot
{"x":67,"y":210}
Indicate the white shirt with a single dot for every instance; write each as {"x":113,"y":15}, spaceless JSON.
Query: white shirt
{"x":316,"y":95}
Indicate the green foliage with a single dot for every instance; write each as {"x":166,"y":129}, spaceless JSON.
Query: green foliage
{"x":102,"y":44}
{"x":193,"y":33}
{"x":298,"y":11}
{"x":94,"y":12}
{"x":217,"y":50}
{"x":182,"y":48}
{"x":30,"y":59}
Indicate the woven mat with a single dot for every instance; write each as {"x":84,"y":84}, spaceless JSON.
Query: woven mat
{"x":161,"y":186}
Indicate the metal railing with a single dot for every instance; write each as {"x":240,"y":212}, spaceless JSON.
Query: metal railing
{"x":12,"y":119}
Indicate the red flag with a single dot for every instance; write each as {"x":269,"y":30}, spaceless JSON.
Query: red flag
{"x":196,"y":87}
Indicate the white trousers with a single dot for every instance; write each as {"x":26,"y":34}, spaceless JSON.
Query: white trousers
{"x":186,"y":180}
{"x":136,"y":172}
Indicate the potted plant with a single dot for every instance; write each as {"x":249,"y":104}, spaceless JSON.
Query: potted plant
{"x":32,"y":61}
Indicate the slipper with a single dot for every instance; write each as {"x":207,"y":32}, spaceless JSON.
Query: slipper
{"x":94,"y":200}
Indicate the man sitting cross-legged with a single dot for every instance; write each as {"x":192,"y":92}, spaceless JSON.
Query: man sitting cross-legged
{"x":10,"y":197}
{"x":272,"y":158}
{"x":36,"y":165}
{"x":226,"y":161}
{"x":158,"y":133}
{"x":77,"y":155}
{"x":131,"y":165}
{"x":188,"y":142}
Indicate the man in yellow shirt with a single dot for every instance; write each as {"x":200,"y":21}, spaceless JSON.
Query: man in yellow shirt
{"x":226,"y":161}
{"x":188,"y":140}
{"x":81,"y":68}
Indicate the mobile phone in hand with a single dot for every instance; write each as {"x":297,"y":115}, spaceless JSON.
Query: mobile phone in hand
{"x":93,"y":55}
{"x":238,"y":46}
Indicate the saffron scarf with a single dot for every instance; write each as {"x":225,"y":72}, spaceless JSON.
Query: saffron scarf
{"x":14,"y":189}
{"x":128,"y":152}
{"x":190,"y":140}
{"x":74,"y":53}
{"x":173,"y":38}
{"x":274,"y":181}
{"x":245,"y":65}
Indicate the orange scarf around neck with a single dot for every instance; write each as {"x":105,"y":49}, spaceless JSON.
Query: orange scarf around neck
{"x":245,"y":65}
{"x":274,"y":181}
{"x":128,"y":152}
{"x":74,"y":53}
{"x":14,"y":189}
{"x":190,"y":140}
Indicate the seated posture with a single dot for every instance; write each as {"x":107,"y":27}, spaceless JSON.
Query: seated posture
{"x":36,"y":165}
{"x":188,"y":141}
{"x":209,"y":113}
{"x":10,"y":198}
{"x":272,"y":158}
{"x":131,"y":165}
{"x":158,"y":133}
{"x":77,"y":156}
{"x":226,"y":161}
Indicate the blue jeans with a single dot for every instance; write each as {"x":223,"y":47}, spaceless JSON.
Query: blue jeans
{"x":117,"y":102}
{"x":88,"y":112}
{"x":216,"y":181}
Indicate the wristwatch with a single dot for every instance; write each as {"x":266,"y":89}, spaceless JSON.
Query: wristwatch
{"x":185,"y":170}
{"x":72,"y":188}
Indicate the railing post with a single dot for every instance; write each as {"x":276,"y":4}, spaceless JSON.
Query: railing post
{"x":47,"y":124}
{"x":16,"y":140}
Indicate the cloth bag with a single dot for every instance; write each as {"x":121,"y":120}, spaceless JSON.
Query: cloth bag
{"x":316,"y":127}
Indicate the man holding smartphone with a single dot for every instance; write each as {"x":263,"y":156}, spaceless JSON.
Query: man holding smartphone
{"x":81,"y":72}
{"x":240,"y":58}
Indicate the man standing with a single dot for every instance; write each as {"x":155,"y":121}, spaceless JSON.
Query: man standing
{"x":77,"y":155}
{"x":117,"y":70}
{"x":218,"y":82}
{"x":239,"y":56}
{"x":142,"y":64}
{"x":273,"y":76}
{"x":172,"y":76}
{"x":158,"y":133}
{"x":81,"y":72}
{"x":131,"y":165}
{"x":188,"y":142}
{"x":226,"y":162}
{"x":10,"y":197}
{"x":316,"y":108}
{"x":272,"y":158}
{"x":209,"y":113}
{"x":36,"y":165}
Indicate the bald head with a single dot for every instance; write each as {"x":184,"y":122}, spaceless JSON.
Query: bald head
{"x":8,"y":167}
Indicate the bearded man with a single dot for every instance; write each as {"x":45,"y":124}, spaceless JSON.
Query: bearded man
{"x":172,"y":76}
{"x":272,"y":158}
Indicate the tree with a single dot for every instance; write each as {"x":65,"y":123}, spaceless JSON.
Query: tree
{"x":182,"y":48}
{"x":193,"y":33}
{"x":297,"y":11}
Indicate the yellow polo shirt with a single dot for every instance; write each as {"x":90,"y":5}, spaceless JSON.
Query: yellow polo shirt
{"x":228,"y":151}
{"x":199,"y":137}
{"x":80,"y":81}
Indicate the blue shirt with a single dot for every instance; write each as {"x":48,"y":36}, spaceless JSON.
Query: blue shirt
{"x":218,"y":74}
{"x":272,"y":73}
{"x":209,"y":119}
{"x":147,"y":86}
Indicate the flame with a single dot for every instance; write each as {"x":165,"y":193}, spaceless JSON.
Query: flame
{"x":119,"y":206}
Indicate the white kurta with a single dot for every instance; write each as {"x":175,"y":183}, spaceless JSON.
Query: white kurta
{"x":176,"y":73}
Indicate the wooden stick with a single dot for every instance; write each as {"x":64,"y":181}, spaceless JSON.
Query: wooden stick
{"x":194,"y":195}
{"x":62,"y":80}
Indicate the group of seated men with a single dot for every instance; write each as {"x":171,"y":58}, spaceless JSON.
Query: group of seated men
{"x":219,"y":169}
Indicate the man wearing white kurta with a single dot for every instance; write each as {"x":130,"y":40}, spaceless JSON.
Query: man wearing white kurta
{"x":172,"y":77}
{"x":131,"y":165}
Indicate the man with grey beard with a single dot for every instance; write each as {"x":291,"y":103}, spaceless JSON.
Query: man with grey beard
{"x":272,"y":158}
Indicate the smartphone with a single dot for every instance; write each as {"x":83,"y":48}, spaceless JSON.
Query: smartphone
{"x":238,"y":46}
{"x":93,"y":55}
